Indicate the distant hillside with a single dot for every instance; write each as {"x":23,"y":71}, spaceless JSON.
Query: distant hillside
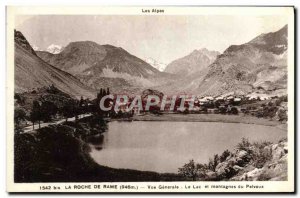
{"x":259,"y":65}
{"x":194,"y":62}
{"x":31,"y":72}
{"x":93,"y":63}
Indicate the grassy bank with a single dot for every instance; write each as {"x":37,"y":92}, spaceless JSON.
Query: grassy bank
{"x":210,"y":118}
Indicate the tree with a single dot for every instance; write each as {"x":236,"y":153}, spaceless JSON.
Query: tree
{"x":48,"y":109}
{"x":19,"y":116}
{"x":234,"y":110}
{"x":35,"y":114}
{"x":20,"y":99}
{"x":81,"y":106}
{"x":224,"y":155}
{"x":192,"y":170}
{"x":104,"y":93}
{"x":282,"y":115}
{"x":217,"y":104}
{"x":222,"y":110}
{"x":81,"y":102}
{"x":77,"y":109}
{"x":69,"y":109}
{"x":212,"y":164}
{"x":100,"y":95}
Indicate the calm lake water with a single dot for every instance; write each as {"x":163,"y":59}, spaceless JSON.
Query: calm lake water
{"x":166,"y":146}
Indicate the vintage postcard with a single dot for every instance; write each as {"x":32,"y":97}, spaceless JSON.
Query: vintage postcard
{"x":150,"y":99}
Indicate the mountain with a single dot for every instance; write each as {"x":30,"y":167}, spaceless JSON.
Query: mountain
{"x":96,"y":65}
{"x":31,"y":72}
{"x":260,"y":64}
{"x":194,"y":62}
{"x":54,"y":49}
{"x":157,"y":65}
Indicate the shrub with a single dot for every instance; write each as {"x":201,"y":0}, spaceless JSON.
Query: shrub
{"x":282,"y":115}
{"x":269,"y":112}
{"x":224,"y":155}
{"x":244,"y":145}
{"x":234,"y":111}
{"x":212,"y":164}
{"x":222,"y":110}
{"x":20,"y":99}
{"x":19,"y":116}
{"x":192,"y":170}
{"x":48,"y":109}
{"x":261,"y":156}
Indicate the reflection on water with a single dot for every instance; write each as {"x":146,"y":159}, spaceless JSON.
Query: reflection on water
{"x":166,"y":146}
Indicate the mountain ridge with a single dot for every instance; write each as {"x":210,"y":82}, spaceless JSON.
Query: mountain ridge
{"x":193,"y":62}
{"x":95,"y":55}
{"x":259,"y":65}
{"x":239,"y":66}
{"x":93,"y":64}
{"x":32,"y":72}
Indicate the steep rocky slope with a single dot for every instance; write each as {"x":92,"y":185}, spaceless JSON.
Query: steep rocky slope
{"x":257,"y":66}
{"x":31,"y":72}
{"x":260,"y":63}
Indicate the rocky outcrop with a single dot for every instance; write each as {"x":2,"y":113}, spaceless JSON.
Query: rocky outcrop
{"x":274,"y":170}
{"x":255,"y":162}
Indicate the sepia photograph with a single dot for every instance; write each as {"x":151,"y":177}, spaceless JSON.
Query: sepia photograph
{"x":150,"y":99}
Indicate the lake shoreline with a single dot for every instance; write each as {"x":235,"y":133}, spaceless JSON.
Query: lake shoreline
{"x":60,"y":153}
{"x":211,"y":118}
{"x":39,"y":150}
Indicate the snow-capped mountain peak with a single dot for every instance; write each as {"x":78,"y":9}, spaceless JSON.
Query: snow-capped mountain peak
{"x":54,"y":49}
{"x":157,"y":65}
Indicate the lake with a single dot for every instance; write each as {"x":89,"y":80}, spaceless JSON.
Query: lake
{"x":164,"y":146}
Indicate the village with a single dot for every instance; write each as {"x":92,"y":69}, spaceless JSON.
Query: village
{"x":258,"y":105}
{"x":150,"y":102}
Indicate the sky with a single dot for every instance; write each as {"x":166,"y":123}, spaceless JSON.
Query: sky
{"x":162,"y":37}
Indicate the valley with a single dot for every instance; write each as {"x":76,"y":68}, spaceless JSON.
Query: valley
{"x":238,"y":98}
{"x":240,"y":68}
